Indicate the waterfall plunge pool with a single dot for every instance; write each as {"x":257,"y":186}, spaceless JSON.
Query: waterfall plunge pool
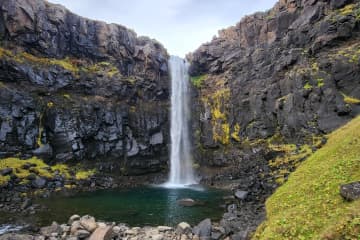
{"x":142,"y":206}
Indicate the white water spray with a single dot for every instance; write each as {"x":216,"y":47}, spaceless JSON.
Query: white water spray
{"x":181,"y":169}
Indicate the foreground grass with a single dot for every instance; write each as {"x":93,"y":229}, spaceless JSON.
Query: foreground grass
{"x":309,"y":205}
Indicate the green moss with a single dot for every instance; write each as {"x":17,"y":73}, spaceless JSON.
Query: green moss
{"x":84,"y":174}
{"x":350,"y":100}
{"x":41,"y":168}
{"x":320,"y":82}
{"x":219,"y":106}
{"x":41,"y":129}
{"x":347,"y":10}
{"x":235,"y":133}
{"x":308,"y":205}
{"x":308,"y":86}
{"x":197,"y":81}
{"x":50,"y":104}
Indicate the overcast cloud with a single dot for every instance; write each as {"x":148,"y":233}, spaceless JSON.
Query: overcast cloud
{"x":180,"y":25}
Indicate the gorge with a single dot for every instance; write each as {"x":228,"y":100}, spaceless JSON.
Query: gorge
{"x":269,"y":113}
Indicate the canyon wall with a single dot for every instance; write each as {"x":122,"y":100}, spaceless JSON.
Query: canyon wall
{"x":267,"y":91}
{"x":74,"y":89}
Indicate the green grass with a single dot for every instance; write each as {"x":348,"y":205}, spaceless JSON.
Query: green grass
{"x":308,"y":205}
{"x":197,"y":81}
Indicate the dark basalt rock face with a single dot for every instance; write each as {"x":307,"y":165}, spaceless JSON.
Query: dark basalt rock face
{"x":279,"y":77}
{"x":85,"y":89}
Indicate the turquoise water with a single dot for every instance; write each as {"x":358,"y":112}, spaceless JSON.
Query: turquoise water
{"x":137,"y":206}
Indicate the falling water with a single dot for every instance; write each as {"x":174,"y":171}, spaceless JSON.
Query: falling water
{"x":181,"y":169}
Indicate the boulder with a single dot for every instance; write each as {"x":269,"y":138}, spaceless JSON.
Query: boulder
{"x":75,"y":226}
{"x":183,"y":228}
{"x":50,"y":230}
{"x":157,"y":237}
{"x":73,"y":218}
{"x":351,"y":191}
{"x":102,"y":233}
{"x":6,"y":171}
{"x":240,"y":194}
{"x":203,"y":229}
{"x":39,"y":182}
{"x":88,"y":223}
{"x":82,"y":234}
{"x":164,"y":228}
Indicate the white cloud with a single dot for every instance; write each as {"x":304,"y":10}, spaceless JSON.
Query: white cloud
{"x":181,"y":25}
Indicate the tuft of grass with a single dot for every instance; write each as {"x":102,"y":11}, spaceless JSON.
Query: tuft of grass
{"x":197,"y":81}
{"x":308,"y":205}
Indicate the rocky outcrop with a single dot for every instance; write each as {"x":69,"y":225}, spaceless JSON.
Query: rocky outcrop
{"x":85,"y":89}
{"x":267,"y":89}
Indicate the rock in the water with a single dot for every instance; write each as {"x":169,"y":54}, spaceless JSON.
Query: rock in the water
{"x":203,"y":229}
{"x":350,"y":191}
{"x":102,"y":233}
{"x":88,"y":223}
{"x":240,"y":194}
{"x":183,"y":228}
{"x":39,"y":182}
{"x":48,"y":231}
{"x":187,"y":202}
{"x":6,"y":171}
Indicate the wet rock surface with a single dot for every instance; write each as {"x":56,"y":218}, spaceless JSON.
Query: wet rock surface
{"x":279,"y":77}
{"x":73,"y":89}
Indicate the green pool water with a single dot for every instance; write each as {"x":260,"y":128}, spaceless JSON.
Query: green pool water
{"x":137,"y":206}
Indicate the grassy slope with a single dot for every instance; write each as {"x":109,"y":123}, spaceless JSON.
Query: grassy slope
{"x":309,"y":206}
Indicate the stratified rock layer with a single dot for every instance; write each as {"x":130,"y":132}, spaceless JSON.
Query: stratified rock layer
{"x":84,"y":89}
{"x":267,"y":89}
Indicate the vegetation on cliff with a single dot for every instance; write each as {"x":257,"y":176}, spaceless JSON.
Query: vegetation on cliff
{"x":309,"y":205}
{"x":28,"y":169}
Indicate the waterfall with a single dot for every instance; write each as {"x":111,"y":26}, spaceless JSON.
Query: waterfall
{"x":181,"y":169}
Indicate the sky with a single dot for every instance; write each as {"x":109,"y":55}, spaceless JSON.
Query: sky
{"x":180,"y":25}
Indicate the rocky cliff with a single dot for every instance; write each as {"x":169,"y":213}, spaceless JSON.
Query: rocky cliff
{"x":267,"y":91}
{"x":74,"y":89}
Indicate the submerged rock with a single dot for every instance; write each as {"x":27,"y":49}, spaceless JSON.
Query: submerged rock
{"x":187,"y":202}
